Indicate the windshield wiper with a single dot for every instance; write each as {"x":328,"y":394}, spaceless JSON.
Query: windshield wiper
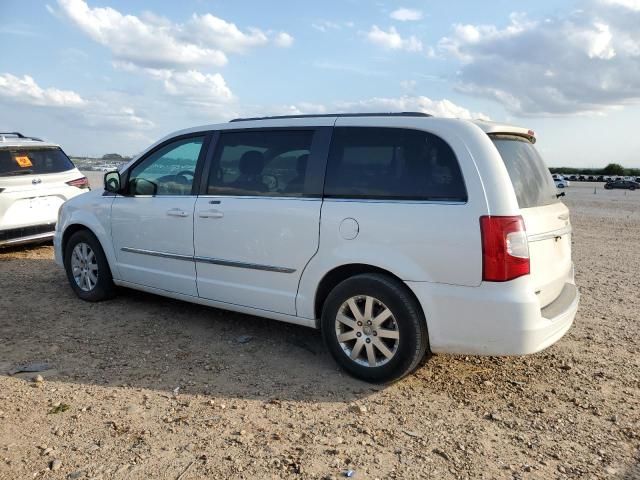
{"x":17,"y":172}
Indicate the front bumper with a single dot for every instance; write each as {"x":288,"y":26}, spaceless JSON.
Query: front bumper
{"x":57,"y":248}
{"x":494,"y":318}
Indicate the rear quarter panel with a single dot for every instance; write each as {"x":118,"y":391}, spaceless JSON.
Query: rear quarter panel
{"x":434,"y":242}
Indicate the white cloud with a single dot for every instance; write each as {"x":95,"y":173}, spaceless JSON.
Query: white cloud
{"x":75,"y":109}
{"x":150,"y":41}
{"x":112,"y":117}
{"x":630,"y":4}
{"x":198,"y":88}
{"x":192,"y":87}
{"x":218,"y":33}
{"x":583,"y":61}
{"x":406,"y":103}
{"x":283,"y":39}
{"x":326,"y":25}
{"x":406,"y":15}
{"x":25,"y":90}
{"x":392,"y":40}
{"x":130,"y":39}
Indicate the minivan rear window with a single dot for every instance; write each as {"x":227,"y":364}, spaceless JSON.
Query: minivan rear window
{"x":529,"y":175}
{"x":33,"y":161}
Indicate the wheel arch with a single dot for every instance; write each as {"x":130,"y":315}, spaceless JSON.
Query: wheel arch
{"x":68,"y":232}
{"x":100,"y":236}
{"x":338,"y":274}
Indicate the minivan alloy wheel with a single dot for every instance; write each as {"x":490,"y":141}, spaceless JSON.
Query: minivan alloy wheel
{"x":84,"y":266}
{"x":367,"y":331}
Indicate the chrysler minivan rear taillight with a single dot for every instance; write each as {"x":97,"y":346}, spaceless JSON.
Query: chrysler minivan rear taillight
{"x":505,"y":249}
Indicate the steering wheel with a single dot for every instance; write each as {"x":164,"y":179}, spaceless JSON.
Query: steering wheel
{"x":186,"y":172}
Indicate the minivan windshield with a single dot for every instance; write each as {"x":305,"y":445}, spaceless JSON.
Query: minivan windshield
{"x":529,"y":175}
{"x":21,"y":161}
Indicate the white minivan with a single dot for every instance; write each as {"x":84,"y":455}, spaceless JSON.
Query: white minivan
{"x":395,"y":234}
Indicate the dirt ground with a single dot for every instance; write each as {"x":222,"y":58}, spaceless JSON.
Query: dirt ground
{"x":145,"y":387}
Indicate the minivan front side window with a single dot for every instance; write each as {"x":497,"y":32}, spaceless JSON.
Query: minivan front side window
{"x":394,"y":164}
{"x":167,"y":171}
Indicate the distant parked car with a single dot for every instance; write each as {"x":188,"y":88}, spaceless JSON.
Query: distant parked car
{"x":600,"y":178}
{"x":623,"y":184}
{"x":560,"y":180}
{"x":36,"y":178}
{"x":573,"y":178}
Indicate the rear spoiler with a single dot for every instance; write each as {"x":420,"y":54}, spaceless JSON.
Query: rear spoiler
{"x":529,"y":136}
{"x":493,"y":128}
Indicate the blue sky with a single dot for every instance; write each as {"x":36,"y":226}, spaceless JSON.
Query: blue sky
{"x":102,"y":76}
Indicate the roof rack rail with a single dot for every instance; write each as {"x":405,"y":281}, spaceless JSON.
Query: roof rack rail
{"x":19,"y":135}
{"x":325,"y":115}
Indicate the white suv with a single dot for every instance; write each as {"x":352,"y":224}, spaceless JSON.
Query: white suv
{"x":36,"y":178}
{"x":395,"y":234}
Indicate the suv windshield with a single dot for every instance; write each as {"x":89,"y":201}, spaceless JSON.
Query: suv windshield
{"x":529,"y":175}
{"x":22,"y":161}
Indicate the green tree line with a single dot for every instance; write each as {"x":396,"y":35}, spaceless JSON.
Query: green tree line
{"x":611,"y":169}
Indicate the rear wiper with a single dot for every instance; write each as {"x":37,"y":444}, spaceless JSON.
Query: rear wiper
{"x":18,"y":172}
{"x":561,"y":194}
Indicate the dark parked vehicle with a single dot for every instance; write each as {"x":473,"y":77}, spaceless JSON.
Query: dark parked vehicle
{"x":600,"y":178}
{"x":624,"y":184}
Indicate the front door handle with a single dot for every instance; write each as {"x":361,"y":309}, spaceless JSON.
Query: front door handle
{"x":176,"y":212}
{"x":210,"y":214}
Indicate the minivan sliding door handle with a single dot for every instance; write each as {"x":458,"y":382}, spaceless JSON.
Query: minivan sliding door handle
{"x":176,"y":212}
{"x":210,"y":214}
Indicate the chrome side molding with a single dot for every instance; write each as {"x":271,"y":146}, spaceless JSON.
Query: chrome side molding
{"x":213,"y":261}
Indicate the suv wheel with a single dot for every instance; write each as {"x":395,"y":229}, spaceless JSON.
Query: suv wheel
{"x":374,"y":328}
{"x":87,"y":268}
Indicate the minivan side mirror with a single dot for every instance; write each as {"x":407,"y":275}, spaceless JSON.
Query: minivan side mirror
{"x":112,"y":182}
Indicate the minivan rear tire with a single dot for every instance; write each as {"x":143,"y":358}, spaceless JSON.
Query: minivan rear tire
{"x":103,"y":288}
{"x":406,"y":321}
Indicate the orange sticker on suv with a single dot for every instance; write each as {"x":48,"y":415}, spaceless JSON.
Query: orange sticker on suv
{"x":23,"y":161}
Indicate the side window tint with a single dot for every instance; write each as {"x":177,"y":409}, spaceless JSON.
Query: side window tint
{"x":392,"y":163}
{"x":168,"y":171}
{"x":261,"y":163}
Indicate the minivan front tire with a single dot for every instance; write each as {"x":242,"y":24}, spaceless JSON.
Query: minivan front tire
{"x":87,"y":268}
{"x":374,"y":328}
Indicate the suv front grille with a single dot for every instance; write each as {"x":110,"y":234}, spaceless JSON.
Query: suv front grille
{"x":15,"y":233}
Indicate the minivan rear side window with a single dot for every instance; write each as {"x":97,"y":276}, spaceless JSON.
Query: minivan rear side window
{"x":392,"y":163}
{"x":529,"y":175}
{"x":37,"y":161}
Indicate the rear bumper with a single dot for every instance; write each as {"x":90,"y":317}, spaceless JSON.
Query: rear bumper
{"x":494,"y":318}
{"x":28,"y":234}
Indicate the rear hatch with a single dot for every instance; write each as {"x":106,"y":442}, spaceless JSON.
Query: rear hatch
{"x":34,"y":184}
{"x":546,"y":218}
